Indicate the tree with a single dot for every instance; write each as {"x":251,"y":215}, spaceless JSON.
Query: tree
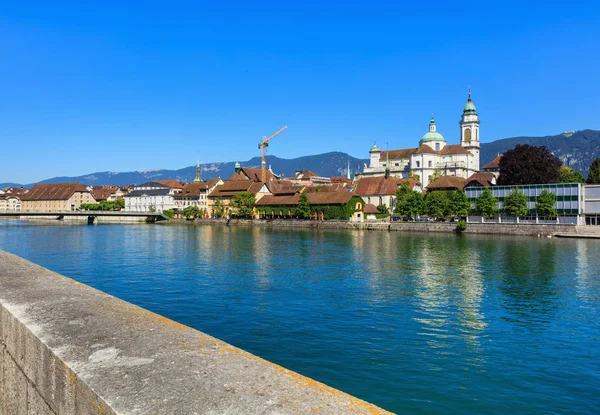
{"x":303,"y":208}
{"x":545,"y":204}
{"x":191,"y":212}
{"x":411,"y":205}
{"x":436,"y":204}
{"x":414,"y":176}
{"x":219,"y":207}
{"x":486,"y":204}
{"x":568,"y":175}
{"x":527,"y":164}
{"x":594,"y":176}
{"x":169,"y":213}
{"x":515,"y":203}
{"x":243,"y":203}
{"x":437,"y":173}
{"x":402,"y":191}
{"x":382,"y":209}
{"x":459,"y":204}
{"x":151,"y":209}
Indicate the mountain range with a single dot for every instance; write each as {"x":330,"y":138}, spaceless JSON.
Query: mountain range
{"x":575,"y":149}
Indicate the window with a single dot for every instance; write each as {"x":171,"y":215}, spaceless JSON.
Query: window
{"x":418,"y":164}
{"x":429,"y":165}
{"x":437,"y":146}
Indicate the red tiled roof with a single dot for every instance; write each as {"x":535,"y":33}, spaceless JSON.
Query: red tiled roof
{"x":173,"y":184}
{"x":425,"y":149}
{"x":102,"y":193}
{"x":448,"y":182}
{"x":453,"y":149}
{"x":304,"y":174}
{"x":494,"y":164}
{"x":371,"y":208}
{"x":192,"y":189}
{"x":323,"y":198}
{"x":62,"y":191}
{"x":398,"y":154}
{"x":482,"y":178}
{"x":373,"y":186}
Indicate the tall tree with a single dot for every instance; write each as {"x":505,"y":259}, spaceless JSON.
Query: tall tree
{"x":594,"y":176}
{"x":527,"y":164}
{"x":486,"y":204}
{"x":436,"y":204}
{"x":303,"y":208}
{"x":515,"y":203}
{"x":243,"y":203}
{"x":219,"y":207}
{"x":459,"y":203}
{"x":545,"y":204}
{"x":191,"y":212}
{"x":403,"y":190}
{"x":411,"y":205}
{"x":568,"y":175}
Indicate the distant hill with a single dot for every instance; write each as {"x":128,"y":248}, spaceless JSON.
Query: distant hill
{"x":328,"y":164}
{"x":577,"y":149}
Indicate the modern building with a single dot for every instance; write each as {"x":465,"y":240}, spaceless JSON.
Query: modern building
{"x":56,"y":197}
{"x":569,"y":196}
{"x":433,"y":153}
{"x":150,"y":196}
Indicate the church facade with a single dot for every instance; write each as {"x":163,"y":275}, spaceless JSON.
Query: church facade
{"x":433,"y":154}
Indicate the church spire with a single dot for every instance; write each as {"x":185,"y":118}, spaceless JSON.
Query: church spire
{"x":198,"y":177}
{"x":348,"y":170}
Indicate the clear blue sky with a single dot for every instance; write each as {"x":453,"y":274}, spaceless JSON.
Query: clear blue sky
{"x":112,"y":87}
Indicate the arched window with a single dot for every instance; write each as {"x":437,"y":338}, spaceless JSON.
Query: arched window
{"x":467,"y":134}
{"x":437,"y":148}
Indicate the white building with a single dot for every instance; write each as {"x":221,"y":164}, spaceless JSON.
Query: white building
{"x":151,"y":196}
{"x":433,"y":153}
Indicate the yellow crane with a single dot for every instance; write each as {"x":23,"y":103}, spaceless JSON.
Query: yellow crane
{"x":263,"y":146}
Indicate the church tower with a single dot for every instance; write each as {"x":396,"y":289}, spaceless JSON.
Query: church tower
{"x":198,"y":177}
{"x":469,"y":132}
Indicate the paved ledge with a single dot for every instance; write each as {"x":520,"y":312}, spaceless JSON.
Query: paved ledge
{"x":66,"y":348}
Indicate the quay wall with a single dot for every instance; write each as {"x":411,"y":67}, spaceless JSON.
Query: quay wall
{"x":447,"y":227}
{"x":66,"y":348}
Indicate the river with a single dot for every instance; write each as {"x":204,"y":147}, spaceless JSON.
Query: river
{"x":414,"y":323}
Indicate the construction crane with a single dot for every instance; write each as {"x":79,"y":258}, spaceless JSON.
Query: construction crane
{"x":263,"y":146}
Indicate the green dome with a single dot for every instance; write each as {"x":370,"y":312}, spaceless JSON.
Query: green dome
{"x":237,"y":164}
{"x":469,"y":106}
{"x":432,"y":136}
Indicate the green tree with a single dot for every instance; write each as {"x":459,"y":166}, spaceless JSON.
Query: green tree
{"x":402,"y":192}
{"x":527,"y":164}
{"x":437,"y":173}
{"x":191,"y":212}
{"x":243,"y":203}
{"x":459,"y":204}
{"x":151,"y":209}
{"x":119,"y":204}
{"x":545,"y":204}
{"x":169,"y":213}
{"x":515,"y":203}
{"x":411,"y":205}
{"x":219,"y":207}
{"x":414,"y":176}
{"x":486,"y":204}
{"x":436,"y":204}
{"x":382,"y":208}
{"x":568,"y":175}
{"x":594,"y":176}
{"x":303,"y":208}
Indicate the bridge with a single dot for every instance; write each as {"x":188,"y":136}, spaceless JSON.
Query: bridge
{"x":90,"y":214}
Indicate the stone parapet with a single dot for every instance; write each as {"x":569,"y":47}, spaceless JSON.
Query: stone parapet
{"x":66,"y":348}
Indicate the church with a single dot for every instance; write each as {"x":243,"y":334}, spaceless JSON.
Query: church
{"x":433,"y":153}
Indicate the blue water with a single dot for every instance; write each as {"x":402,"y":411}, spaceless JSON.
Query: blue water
{"x":415,"y":323}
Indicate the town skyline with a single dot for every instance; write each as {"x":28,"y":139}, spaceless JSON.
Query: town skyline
{"x":114,"y":90}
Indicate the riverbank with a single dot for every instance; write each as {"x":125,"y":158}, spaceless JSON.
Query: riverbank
{"x":540,"y":230}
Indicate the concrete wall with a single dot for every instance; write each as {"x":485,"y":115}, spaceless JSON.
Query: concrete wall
{"x":66,"y":348}
{"x":448,"y":227}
